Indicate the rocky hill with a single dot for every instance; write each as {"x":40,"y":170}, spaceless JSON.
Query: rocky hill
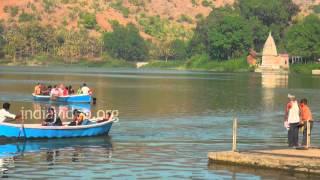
{"x":153,"y":17}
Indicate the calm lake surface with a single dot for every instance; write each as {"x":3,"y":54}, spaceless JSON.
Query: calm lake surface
{"x":169,"y":121}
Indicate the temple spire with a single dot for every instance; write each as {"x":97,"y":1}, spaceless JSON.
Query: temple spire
{"x":269,"y":48}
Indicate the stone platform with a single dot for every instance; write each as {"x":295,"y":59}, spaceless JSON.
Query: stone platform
{"x":298,"y":160}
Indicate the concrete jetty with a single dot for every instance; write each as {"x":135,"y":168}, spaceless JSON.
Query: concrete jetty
{"x":316,"y":72}
{"x":140,"y":64}
{"x":305,"y":161}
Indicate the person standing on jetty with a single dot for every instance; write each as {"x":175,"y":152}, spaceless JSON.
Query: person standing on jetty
{"x":306,"y":116}
{"x":292,"y":118}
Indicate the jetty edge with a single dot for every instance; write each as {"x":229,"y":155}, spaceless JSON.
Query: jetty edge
{"x":304,"y":161}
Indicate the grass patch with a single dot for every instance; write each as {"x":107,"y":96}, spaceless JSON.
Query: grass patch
{"x":304,"y":68}
{"x":5,"y":61}
{"x":43,"y":60}
{"x":202,"y":62}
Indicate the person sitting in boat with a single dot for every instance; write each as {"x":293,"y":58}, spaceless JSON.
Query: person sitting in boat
{"x":37,"y":89}
{"x":85,"y":89}
{"x":54,"y":92}
{"x":71,"y":90}
{"x":5,"y":115}
{"x":78,"y":118}
{"x":79,"y":91}
{"x":106,"y":118}
{"x":46,"y":90}
{"x":43,"y":89}
{"x":66,"y":91}
{"x":52,"y":119}
{"x":61,"y":89}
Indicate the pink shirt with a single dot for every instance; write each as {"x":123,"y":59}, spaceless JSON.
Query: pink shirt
{"x":54,"y":92}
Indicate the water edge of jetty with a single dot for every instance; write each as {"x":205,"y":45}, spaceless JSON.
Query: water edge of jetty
{"x":297,"y":160}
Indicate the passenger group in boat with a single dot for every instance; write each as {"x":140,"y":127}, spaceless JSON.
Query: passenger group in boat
{"x":60,"y":90}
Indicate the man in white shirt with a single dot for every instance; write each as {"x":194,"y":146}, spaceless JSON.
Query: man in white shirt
{"x":85,"y":89}
{"x":6,"y":115}
{"x":292,"y":117}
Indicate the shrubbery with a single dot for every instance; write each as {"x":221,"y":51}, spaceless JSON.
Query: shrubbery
{"x":24,"y":17}
{"x":118,"y":6}
{"x":88,"y":20}
{"x":126,"y":43}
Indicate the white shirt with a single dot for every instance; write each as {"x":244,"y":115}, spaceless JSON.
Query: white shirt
{"x":294,"y":113}
{"x":85,"y":90}
{"x":4,"y":114}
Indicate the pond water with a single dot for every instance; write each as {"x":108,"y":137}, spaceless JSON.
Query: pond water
{"x":169,"y":121}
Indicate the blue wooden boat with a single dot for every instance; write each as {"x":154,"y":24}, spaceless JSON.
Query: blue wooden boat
{"x":77,"y":98}
{"x":30,"y":131}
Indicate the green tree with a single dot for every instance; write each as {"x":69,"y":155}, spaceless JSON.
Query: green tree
{"x":36,"y":38}
{"x":269,"y":12}
{"x":125,"y":43}
{"x":179,"y":49}
{"x":15,"y":43}
{"x":2,"y":40}
{"x":223,"y":35}
{"x":229,"y":38}
{"x":273,"y":15}
{"x":303,"y":38}
{"x":259,"y":33}
{"x":164,"y":48}
{"x":316,"y":9}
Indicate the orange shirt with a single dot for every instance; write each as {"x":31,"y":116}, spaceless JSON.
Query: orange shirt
{"x":37,"y":90}
{"x":306,"y":114}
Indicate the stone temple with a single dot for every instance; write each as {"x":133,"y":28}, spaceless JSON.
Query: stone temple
{"x":271,"y":60}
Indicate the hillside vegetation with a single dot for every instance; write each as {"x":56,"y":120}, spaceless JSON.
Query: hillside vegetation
{"x":70,"y":31}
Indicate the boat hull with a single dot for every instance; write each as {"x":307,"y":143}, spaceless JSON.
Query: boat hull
{"x":30,"y":131}
{"x":83,"y":98}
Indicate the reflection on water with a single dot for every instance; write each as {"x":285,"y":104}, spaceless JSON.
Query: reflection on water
{"x":50,"y":154}
{"x":270,"y":82}
{"x":169,"y":120}
{"x":274,"y":80}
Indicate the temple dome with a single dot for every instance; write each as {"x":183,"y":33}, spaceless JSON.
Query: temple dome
{"x":269,"y":48}
{"x":270,"y":57}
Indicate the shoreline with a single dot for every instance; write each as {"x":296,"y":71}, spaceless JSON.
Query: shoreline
{"x":305,"y":69}
{"x":238,"y":65}
{"x":124,"y":67}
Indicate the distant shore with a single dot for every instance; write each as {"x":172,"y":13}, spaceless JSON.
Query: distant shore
{"x":198,"y":64}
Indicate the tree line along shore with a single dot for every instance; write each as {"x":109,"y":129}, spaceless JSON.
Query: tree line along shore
{"x":219,"y":42}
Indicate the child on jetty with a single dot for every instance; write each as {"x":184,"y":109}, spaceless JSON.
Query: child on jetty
{"x":306,"y":116}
